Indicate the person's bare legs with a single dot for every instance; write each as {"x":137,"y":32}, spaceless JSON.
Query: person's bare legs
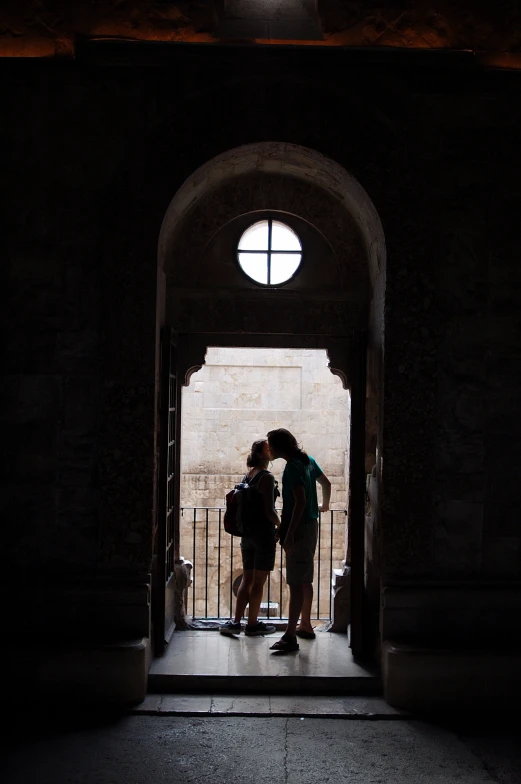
{"x":305,"y":616}
{"x":296,"y":597}
{"x":256,"y":591}
{"x":243,"y":595}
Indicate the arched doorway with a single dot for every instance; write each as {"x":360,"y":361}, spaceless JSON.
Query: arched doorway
{"x":335,"y":302}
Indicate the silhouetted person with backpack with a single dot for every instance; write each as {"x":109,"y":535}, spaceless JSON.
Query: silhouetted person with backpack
{"x":258,"y":542}
{"x":298,"y":532}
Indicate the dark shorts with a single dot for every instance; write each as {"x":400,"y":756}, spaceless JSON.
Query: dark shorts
{"x":258,"y":553}
{"x":300,"y":562}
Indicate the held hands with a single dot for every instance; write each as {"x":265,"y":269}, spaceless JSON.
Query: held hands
{"x":289,"y":543}
{"x":323,"y":508}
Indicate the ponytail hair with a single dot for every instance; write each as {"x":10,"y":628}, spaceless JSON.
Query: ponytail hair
{"x":284,"y":442}
{"x":255,"y":458}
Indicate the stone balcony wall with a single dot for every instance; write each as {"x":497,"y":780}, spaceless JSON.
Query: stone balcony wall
{"x":238,"y":396}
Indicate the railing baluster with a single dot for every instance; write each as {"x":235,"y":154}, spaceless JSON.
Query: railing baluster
{"x":209,"y":601}
{"x":269,"y":587}
{"x":280,"y":587}
{"x":206,"y":569}
{"x":194,"y":569}
{"x":331,"y":563}
{"x":231,"y":576}
{"x":319,"y":532}
{"x":219,"y":568}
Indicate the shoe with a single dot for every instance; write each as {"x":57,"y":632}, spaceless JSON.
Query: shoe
{"x":285,"y":645}
{"x":259,"y":628}
{"x":305,"y":635}
{"x":230,"y":628}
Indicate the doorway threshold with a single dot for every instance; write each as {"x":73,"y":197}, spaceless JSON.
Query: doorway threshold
{"x":206,"y":662}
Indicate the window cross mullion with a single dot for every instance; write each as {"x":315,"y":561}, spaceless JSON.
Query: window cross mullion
{"x":284,"y":268}
{"x":269,"y":250}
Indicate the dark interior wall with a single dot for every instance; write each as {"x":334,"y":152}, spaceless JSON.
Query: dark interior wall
{"x":450,"y":512}
{"x":80,"y":326}
{"x":94,"y":156}
{"x":71,"y":255}
{"x":477,"y":491}
{"x":452,"y":343}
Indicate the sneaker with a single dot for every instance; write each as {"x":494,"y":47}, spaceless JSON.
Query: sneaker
{"x":230,"y":628}
{"x":259,"y":628}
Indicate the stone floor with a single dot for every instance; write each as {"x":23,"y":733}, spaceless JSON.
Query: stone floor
{"x":355,"y":707}
{"x":207,"y":661}
{"x":139,"y":749}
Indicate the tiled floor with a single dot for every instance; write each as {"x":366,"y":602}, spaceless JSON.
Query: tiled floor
{"x":207,"y":660}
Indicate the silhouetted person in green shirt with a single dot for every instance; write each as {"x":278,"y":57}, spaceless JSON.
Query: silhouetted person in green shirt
{"x":298,"y":531}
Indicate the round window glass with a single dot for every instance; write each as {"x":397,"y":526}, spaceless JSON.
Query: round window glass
{"x":269,"y":252}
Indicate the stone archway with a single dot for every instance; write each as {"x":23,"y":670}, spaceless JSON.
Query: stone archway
{"x":285,"y":160}
{"x":338,"y":310}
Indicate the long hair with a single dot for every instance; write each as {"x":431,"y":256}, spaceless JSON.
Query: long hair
{"x":284,"y":442}
{"x":255,"y":458}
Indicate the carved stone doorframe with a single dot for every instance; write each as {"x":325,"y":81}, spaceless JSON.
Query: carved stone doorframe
{"x":192,"y":350}
{"x":341,"y":295}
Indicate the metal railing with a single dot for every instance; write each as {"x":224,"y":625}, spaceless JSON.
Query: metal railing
{"x":217,"y":566}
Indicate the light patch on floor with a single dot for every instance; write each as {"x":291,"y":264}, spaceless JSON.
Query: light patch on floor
{"x":207,"y":661}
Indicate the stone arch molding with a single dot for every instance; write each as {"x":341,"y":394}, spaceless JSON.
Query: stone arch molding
{"x":284,"y":159}
{"x":192,"y":350}
{"x":293,"y":162}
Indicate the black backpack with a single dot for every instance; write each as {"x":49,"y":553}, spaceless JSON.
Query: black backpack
{"x":241,"y":506}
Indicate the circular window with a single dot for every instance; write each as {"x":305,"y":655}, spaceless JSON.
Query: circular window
{"x":269,"y":252}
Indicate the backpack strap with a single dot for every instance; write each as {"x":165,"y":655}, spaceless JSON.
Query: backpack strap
{"x":253,"y":481}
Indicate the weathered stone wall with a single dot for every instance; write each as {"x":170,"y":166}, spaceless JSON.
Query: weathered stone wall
{"x":238,"y":396}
